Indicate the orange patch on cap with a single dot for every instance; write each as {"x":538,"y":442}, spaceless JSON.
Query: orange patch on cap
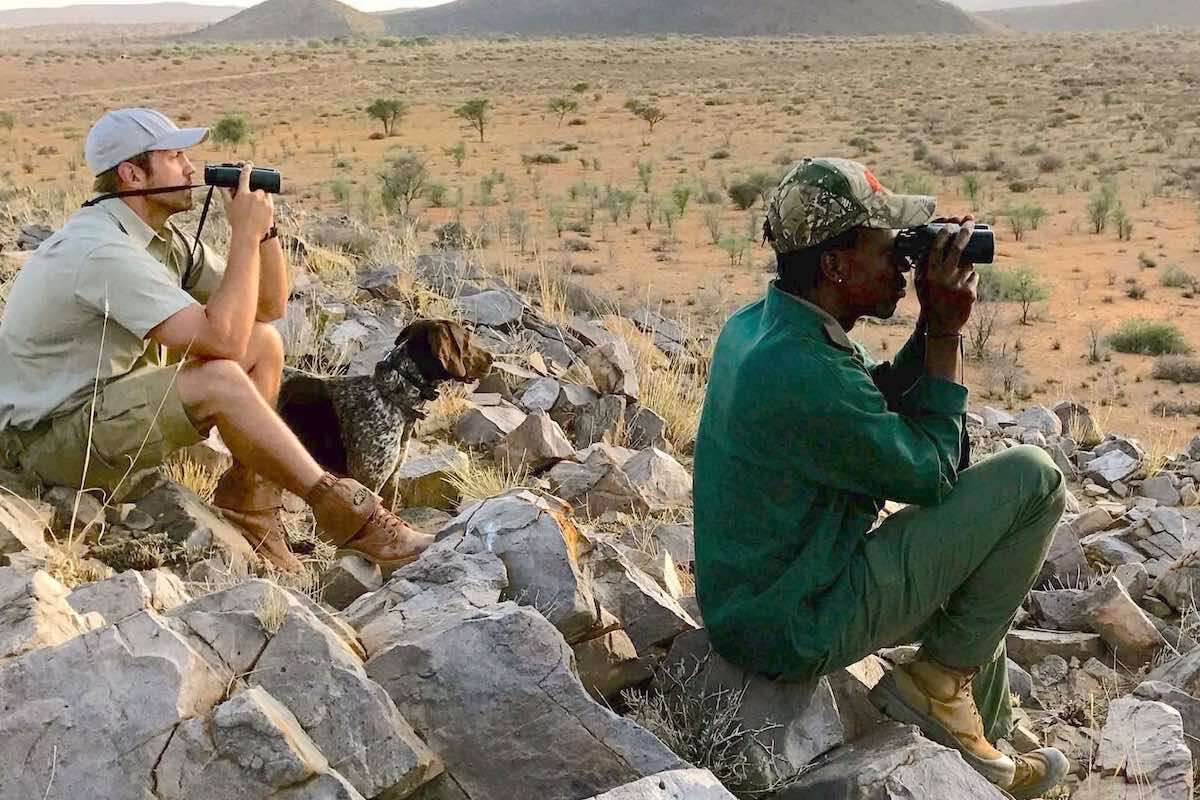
{"x":873,"y":182}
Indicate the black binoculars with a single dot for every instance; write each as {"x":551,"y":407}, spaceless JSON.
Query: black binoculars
{"x":228,"y":176}
{"x":913,"y":244}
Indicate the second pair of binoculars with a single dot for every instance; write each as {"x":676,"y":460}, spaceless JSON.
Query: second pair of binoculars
{"x":913,"y":244}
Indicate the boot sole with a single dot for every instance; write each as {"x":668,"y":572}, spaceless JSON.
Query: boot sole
{"x":886,"y":697}
{"x":385,"y":567}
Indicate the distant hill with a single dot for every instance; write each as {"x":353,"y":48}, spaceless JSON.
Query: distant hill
{"x":1100,"y":15}
{"x":992,"y":5}
{"x":287,"y":19}
{"x":704,"y":17}
{"x":117,"y":14}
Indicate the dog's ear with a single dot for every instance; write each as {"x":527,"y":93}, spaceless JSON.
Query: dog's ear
{"x":448,"y":345}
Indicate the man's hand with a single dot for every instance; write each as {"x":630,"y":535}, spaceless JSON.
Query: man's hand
{"x":249,"y":213}
{"x":946,"y":286}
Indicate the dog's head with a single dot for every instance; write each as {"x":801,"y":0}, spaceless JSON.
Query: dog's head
{"x":440,"y":349}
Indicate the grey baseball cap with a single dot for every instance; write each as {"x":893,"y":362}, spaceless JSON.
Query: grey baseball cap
{"x":122,"y":134}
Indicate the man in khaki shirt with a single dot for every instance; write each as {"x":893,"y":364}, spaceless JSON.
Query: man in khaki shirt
{"x":87,"y":398}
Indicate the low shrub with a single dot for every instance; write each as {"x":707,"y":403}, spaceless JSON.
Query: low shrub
{"x":1148,"y":337}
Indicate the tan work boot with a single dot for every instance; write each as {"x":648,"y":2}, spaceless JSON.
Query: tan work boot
{"x":1037,"y":772}
{"x":253,"y":504}
{"x":938,"y":700}
{"x":353,"y":518}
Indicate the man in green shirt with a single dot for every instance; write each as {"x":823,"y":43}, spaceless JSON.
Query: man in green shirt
{"x":804,"y":436}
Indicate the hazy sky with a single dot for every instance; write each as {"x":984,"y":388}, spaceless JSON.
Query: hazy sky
{"x":388,"y":5}
{"x":362,"y":5}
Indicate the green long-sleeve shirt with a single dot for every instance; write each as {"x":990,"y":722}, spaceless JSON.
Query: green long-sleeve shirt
{"x":802,"y":438}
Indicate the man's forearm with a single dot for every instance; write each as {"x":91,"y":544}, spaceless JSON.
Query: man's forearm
{"x":232,"y":308}
{"x":272,"y":281}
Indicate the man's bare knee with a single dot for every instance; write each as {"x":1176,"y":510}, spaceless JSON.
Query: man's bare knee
{"x":208,"y":388}
{"x":266,"y":343}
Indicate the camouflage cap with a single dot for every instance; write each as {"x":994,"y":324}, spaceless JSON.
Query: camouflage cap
{"x":820,"y":198}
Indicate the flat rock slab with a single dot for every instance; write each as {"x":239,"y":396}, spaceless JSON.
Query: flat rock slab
{"x":680,"y":784}
{"x":1144,"y":740}
{"x":539,"y":546}
{"x":895,"y":762}
{"x":1029,"y":647}
{"x":515,"y":698}
{"x":98,"y":710}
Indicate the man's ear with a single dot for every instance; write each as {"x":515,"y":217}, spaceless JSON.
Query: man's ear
{"x":130,"y":174}
{"x":833,"y":266}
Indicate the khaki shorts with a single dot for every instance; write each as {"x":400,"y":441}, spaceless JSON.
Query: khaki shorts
{"x":139,"y":421}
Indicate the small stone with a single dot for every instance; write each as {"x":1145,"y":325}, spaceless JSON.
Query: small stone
{"x":1160,"y":488}
{"x":599,"y":421}
{"x":1050,"y":671}
{"x":1111,"y":468}
{"x":661,"y":479}
{"x":1091,"y":521}
{"x":994,"y":418}
{"x":1040,"y":418}
{"x":613,"y":369}
{"x":1123,"y":626}
{"x":485,"y":426}
{"x":425,"y":481}
{"x":494,"y":308}
{"x":349,"y":578}
{"x":534,"y":444}
{"x":541,"y":395}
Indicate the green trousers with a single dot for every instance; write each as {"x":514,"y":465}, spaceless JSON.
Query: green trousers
{"x":952,"y":576}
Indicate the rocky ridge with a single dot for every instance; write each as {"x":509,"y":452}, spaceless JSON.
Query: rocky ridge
{"x":144,"y":652}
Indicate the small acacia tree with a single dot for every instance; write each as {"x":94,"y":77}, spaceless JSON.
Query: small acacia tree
{"x":7,"y":121}
{"x":476,"y":113}
{"x":563,"y":106}
{"x":651,"y":115}
{"x":231,"y":129}
{"x":388,"y":112}
{"x":1026,"y":288}
{"x":405,"y":180}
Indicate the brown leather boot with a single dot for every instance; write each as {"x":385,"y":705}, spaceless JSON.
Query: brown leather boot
{"x":253,"y":504}
{"x":355,"y":520}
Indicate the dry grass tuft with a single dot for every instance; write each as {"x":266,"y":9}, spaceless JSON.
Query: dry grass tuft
{"x":272,"y":610}
{"x":193,"y":475}
{"x":701,"y":724}
{"x":66,"y":563}
{"x":479,"y":480}
{"x":668,"y":387}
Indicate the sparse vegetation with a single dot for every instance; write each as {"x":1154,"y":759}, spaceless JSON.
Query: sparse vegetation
{"x":1177,"y":369}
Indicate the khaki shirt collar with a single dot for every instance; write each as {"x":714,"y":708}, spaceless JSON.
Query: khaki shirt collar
{"x":133,"y":225}
{"x":799,"y":310}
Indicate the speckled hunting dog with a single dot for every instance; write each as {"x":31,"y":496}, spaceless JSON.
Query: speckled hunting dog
{"x":360,"y":426}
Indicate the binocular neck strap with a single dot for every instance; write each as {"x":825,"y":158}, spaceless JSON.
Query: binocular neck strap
{"x":136,"y":193}
{"x":187,"y":273}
